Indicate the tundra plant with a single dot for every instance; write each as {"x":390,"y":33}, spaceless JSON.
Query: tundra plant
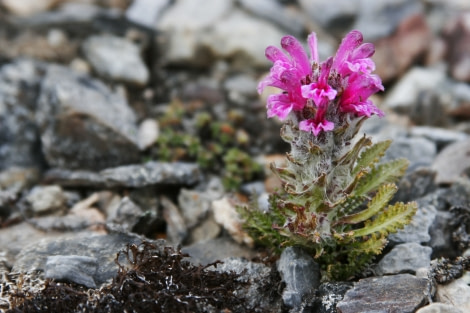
{"x":335,"y":194}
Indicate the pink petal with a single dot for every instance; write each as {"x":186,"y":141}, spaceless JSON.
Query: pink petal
{"x":350,"y":42}
{"x":312,"y":44}
{"x":298,"y":54}
{"x":314,"y":127}
{"x":274,"y":54}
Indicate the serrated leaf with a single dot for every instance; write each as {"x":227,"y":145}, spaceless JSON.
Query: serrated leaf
{"x":371,"y":156}
{"x":351,"y":156}
{"x":348,"y":206}
{"x":390,"y":220}
{"x":378,"y":202}
{"x":384,"y":173}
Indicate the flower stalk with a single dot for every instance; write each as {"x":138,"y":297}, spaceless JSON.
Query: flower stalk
{"x":336,"y":194}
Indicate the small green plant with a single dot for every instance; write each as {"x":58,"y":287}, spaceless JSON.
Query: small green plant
{"x":336,"y":194}
{"x":189,"y":133}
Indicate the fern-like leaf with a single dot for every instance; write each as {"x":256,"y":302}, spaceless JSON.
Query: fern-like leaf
{"x":371,"y":156}
{"x":390,"y":220}
{"x":384,"y":173}
{"x":380,"y":200}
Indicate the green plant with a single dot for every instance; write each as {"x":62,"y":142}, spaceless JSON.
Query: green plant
{"x":335,"y":196}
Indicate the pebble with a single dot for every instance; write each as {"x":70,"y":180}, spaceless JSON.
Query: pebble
{"x":456,"y":293}
{"x":72,"y":268}
{"x":28,"y":7}
{"x":146,"y":12}
{"x":452,"y":163}
{"x":419,"y":151}
{"x":46,"y":199}
{"x":102,"y":52}
{"x":438,"y":307}
{"x":406,"y":257}
{"x":301,"y":275}
{"x":403,"y":293}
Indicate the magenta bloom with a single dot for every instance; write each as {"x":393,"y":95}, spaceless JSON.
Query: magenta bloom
{"x":319,"y":93}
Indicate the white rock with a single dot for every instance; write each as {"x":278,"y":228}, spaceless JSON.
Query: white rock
{"x":226,"y":215}
{"x":148,"y":133}
{"x":46,"y":198}
{"x":146,"y":12}
{"x":27,"y":7}
{"x":439,"y":308}
{"x":116,"y":58}
{"x":457,"y":293}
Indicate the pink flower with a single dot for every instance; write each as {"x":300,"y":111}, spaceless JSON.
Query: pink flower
{"x":317,"y":92}
{"x":288,"y":73}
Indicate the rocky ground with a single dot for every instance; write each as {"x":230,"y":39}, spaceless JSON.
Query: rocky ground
{"x":129,"y":131}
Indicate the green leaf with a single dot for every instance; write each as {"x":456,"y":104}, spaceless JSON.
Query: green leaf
{"x":380,"y":200}
{"x":351,"y":156}
{"x":390,"y":220}
{"x":371,"y":156}
{"x":384,"y":173}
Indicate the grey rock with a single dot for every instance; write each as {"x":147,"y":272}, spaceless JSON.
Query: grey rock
{"x":103,"y":51}
{"x":208,"y":229}
{"x":19,"y":136}
{"x":194,"y":206}
{"x":46,"y":199}
{"x":440,"y":136}
{"x":416,"y":184}
{"x":260,"y":281}
{"x":401,"y":293}
{"x":13,"y":181}
{"x":72,"y":268}
{"x":458,"y":195}
{"x":441,"y":236}
{"x":403,"y":95}
{"x":176,"y":230}
{"x":273,"y":11}
{"x":420,"y":152}
{"x":406,"y":257}
{"x":438,"y":307}
{"x":452,"y":163}
{"x":209,"y":251}
{"x":300,"y":273}
{"x":418,"y":230}
{"x":338,"y":17}
{"x":125,"y":213}
{"x":83,"y":124}
{"x":379,"y":19}
{"x":328,"y":296}
{"x":146,"y":12}
{"x":103,"y":248}
{"x":241,"y":88}
{"x":136,"y":176}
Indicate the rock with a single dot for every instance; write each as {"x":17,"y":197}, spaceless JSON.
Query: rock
{"x":19,"y":136}
{"x":102,"y":248}
{"x":124,"y":213}
{"x":194,"y":206}
{"x":420,"y":152}
{"x":176,"y":230}
{"x":441,"y":137}
{"x":406,"y":257}
{"x":457,"y":34}
{"x":395,"y":54}
{"x":456,"y":293}
{"x":382,"y":18}
{"x":397,"y":293}
{"x":226,"y":215}
{"x":209,"y":251}
{"x":418,"y":230}
{"x":28,"y":7}
{"x":438,"y":307}
{"x":135,"y":176}
{"x":416,"y":184}
{"x":206,"y":230}
{"x":328,"y":296}
{"x":403,"y":95}
{"x":83,"y":124}
{"x":273,"y":11}
{"x":441,"y":232}
{"x":146,"y":12}
{"x":233,"y":38}
{"x":148,"y":133}
{"x":300,"y":273}
{"x":257,"y":282}
{"x":337,"y":18}
{"x":241,"y":88}
{"x":46,"y":199}
{"x":72,"y":268}
{"x":13,"y":181}
{"x":452,"y":163}
{"x":103,"y":51}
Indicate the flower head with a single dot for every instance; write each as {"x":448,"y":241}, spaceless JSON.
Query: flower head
{"x":340,"y":85}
